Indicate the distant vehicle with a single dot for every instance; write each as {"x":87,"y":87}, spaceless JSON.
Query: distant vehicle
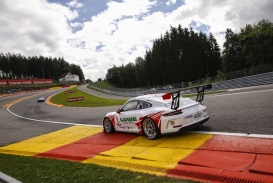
{"x":41,"y":99}
{"x":156,"y":114}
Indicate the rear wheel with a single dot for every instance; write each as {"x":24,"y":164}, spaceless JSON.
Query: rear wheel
{"x":150,"y":129}
{"x":108,"y":126}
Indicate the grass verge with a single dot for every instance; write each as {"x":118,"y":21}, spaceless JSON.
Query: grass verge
{"x":94,"y":101}
{"x":44,"y":170}
{"x":89,"y":100}
{"x":104,"y":84}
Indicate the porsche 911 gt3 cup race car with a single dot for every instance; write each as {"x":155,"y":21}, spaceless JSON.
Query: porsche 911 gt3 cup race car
{"x":156,"y":114}
{"x":41,"y":99}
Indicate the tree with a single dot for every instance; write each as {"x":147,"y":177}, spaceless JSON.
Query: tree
{"x":232,"y":53}
{"x":112,"y":76}
{"x":180,"y":55}
{"x":88,"y":80}
{"x":214,"y":62}
{"x":140,"y":71}
{"x":257,"y":43}
{"x":18,"y":66}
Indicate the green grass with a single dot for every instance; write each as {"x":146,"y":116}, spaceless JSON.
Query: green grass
{"x":93,"y":101}
{"x":45,"y":170}
{"x":104,"y":84}
{"x":89,"y":100}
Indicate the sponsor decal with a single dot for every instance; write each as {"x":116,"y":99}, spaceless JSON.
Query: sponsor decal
{"x":25,"y":81}
{"x":188,"y":117}
{"x":19,"y":82}
{"x":3,"y":82}
{"x":130,"y":119}
{"x":42,"y":81}
{"x":198,"y":115}
{"x":74,"y":99}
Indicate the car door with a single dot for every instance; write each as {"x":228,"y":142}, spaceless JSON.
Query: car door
{"x":126,"y":117}
{"x":143,"y":109}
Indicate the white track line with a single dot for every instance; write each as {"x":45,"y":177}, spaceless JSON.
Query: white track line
{"x":219,"y":95}
{"x":200,"y":132}
{"x":53,"y":122}
{"x":234,"y":134}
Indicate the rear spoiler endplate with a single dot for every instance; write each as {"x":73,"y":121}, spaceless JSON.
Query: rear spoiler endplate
{"x":176,"y":95}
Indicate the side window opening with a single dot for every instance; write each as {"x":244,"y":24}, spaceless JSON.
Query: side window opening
{"x":143,"y":105}
{"x":129,"y":106}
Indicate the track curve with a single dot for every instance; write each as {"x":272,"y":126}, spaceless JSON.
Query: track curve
{"x":246,"y":110}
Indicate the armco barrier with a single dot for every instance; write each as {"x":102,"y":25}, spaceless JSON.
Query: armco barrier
{"x":254,"y":80}
{"x":17,"y":93}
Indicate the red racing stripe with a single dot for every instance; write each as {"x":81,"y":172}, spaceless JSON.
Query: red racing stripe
{"x":89,"y":146}
{"x":231,"y":158}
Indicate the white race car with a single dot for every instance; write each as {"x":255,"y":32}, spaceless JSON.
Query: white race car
{"x":41,"y":99}
{"x":156,"y":114}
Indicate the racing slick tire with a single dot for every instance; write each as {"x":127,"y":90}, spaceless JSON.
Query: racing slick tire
{"x":108,"y":126}
{"x":150,"y":129}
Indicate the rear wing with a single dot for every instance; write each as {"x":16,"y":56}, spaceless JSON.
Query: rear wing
{"x":176,"y":95}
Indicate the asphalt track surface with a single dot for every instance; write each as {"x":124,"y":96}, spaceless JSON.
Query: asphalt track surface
{"x":243,"y":111}
{"x":247,"y":110}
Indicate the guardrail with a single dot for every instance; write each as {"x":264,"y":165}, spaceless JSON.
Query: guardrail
{"x":247,"y":81}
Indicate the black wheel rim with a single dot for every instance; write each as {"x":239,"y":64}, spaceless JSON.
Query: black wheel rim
{"x":149,"y":128}
{"x":107,"y":125}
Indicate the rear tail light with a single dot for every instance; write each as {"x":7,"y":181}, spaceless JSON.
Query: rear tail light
{"x":173,"y":113}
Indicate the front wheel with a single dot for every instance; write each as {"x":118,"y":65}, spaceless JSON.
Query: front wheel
{"x":150,"y":129}
{"x":108,"y":126}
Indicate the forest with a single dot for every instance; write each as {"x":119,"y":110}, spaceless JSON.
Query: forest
{"x":182,"y":55}
{"x":16,"y":66}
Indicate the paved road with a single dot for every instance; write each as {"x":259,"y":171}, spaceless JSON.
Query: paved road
{"x":239,"y":111}
{"x":14,"y":129}
{"x":245,"y":110}
{"x":248,"y":111}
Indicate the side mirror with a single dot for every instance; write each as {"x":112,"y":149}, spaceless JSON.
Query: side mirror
{"x":118,"y":111}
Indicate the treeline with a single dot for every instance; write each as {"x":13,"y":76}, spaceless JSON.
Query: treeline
{"x":251,"y":47}
{"x":182,"y":55}
{"x":18,"y":66}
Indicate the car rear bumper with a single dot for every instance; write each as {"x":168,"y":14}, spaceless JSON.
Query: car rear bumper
{"x":194,"y":125}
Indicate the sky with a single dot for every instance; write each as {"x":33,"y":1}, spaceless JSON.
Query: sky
{"x":98,"y":34}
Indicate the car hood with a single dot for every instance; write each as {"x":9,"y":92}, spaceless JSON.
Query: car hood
{"x":110,"y":113}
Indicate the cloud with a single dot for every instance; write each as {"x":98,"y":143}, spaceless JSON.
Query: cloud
{"x":118,"y":34}
{"x":76,"y":24}
{"x":30,"y":27}
{"x":75,"y":4}
{"x":170,"y":2}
